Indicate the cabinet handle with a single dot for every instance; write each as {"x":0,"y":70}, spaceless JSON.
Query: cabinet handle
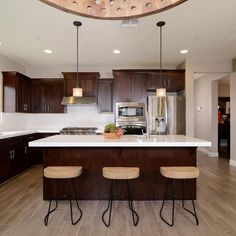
{"x":45,"y":108}
{"x":13,"y":154}
{"x":26,"y":107}
{"x":48,"y":108}
{"x":26,"y":150}
{"x":10,"y":154}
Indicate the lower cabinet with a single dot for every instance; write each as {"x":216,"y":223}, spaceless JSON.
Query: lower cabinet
{"x":16,"y":156}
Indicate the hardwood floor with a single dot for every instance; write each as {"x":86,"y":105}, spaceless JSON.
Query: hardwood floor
{"x":22,"y":209}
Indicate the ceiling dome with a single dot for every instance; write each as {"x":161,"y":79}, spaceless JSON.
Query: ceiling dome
{"x":113,"y":9}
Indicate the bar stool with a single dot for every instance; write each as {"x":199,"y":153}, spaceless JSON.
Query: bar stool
{"x":120,"y":173}
{"x":183,"y":173}
{"x":69,"y":173}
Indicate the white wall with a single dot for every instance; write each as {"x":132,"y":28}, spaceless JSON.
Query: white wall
{"x":233,"y":119}
{"x":205,"y":110}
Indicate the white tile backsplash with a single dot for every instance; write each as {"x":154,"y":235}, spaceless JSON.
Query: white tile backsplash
{"x":79,"y":115}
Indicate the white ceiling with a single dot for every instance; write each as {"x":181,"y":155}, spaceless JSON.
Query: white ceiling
{"x":207,"y":28}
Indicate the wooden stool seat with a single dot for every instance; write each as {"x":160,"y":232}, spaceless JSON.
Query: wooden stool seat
{"x":120,"y":172}
{"x":62,"y":172}
{"x":180,"y":172}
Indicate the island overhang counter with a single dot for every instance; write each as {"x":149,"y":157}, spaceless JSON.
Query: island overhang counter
{"x":93,"y":152}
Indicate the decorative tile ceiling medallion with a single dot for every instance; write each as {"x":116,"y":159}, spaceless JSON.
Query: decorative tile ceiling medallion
{"x":113,"y":9}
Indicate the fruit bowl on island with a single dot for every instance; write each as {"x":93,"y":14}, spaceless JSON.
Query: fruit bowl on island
{"x":112,"y":132}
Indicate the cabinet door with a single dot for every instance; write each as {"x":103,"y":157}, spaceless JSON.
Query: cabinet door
{"x":38,"y":96}
{"x":153,"y":81}
{"x":122,"y":81}
{"x":54,"y":95}
{"x":138,"y":87}
{"x":175,"y":80}
{"x":6,"y":162}
{"x":23,"y":94}
{"x":105,"y":95}
{"x":47,"y":95}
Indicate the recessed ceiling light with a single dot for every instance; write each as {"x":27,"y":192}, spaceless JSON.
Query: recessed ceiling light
{"x":184,"y":51}
{"x":48,"y":51}
{"x":116,"y":51}
{"x":0,"y":43}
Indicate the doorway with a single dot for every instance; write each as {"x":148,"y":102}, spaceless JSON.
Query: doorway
{"x":224,"y":118}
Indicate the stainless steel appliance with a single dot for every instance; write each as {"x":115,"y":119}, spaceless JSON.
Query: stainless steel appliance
{"x":78,"y":131}
{"x":130,"y":113}
{"x":166,"y":115}
{"x":131,"y":117}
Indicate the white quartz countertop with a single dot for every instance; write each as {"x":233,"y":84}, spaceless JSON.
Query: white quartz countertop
{"x":124,"y":141}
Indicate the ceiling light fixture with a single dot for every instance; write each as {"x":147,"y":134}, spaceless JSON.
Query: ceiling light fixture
{"x":184,"y":51}
{"x":115,"y":9}
{"x":116,"y":51}
{"x":0,"y":43}
{"x":161,"y":92}
{"x":77,"y":92}
{"x":48,"y":51}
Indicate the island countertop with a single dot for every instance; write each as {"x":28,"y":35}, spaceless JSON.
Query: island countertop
{"x":124,"y":141}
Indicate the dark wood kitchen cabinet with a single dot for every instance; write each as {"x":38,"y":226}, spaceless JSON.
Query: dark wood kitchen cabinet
{"x":16,"y":92}
{"x":129,"y":86}
{"x":46,"y":95}
{"x":173,"y":80}
{"x":87,"y":81}
{"x":15,"y":156}
{"x":105,"y":95}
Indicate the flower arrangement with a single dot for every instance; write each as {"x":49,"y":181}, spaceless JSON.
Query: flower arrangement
{"x":113,"y":132}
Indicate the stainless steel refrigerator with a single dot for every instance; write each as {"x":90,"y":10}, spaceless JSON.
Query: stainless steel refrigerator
{"x":166,"y":115}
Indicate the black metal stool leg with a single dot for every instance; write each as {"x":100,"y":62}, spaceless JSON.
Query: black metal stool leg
{"x":194,"y":210}
{"x":76,"y":199}
{"x":173,"y":204}
{"x":49,"y":207}
{"x":109,"y":206}
{"x":130,"y":202}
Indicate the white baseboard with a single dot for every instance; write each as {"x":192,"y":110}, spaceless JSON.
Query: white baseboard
{"x":208,"y":153}
{"x":232,"y":163}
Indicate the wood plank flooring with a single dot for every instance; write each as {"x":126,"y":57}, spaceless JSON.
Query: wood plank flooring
{"x":22,"y":209}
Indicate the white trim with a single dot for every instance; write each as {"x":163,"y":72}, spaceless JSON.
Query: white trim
{"x":232,"y":163}
{"x":208,"y":153}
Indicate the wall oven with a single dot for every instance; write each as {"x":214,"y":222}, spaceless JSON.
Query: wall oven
{"x":130,"y":113}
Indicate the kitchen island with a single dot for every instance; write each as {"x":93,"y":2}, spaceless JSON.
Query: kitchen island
{"x":93,"y":152}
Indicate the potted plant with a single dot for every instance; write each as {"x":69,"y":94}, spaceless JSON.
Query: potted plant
{"x":112,"y":132}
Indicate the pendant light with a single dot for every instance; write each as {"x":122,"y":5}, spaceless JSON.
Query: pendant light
{"x":161,"y":92}
{"x":77,"y":92}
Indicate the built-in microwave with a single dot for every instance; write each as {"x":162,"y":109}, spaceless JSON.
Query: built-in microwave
{"x":130,"y":113}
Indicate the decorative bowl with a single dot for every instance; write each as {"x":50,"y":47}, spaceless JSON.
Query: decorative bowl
{"x":112,"y":135}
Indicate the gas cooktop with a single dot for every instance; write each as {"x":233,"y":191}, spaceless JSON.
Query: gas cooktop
{"x":78,"y":131}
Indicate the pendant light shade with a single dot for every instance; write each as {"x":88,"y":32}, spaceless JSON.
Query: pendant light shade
{"x":161,"y":92}
{"x":77,"y":92}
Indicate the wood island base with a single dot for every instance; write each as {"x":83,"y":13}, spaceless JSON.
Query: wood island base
{"x":91,"y":184}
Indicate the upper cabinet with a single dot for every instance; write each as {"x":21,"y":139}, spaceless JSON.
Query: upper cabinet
{"x":129,"y":86}
{"x":87,"y":81}
{"x":105,"y":95}
{"x":16,"y":92}
{"x":173,"y":80}
{"x":47,"y":95}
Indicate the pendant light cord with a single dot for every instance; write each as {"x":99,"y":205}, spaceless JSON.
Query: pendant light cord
{"x":77,"y":72}
{"x":160,"y":24}
{"x":77,"y":24}
{"x":162,"y":84}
